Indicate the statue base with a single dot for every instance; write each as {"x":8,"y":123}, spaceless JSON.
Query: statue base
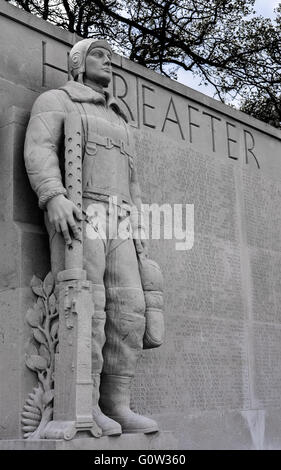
{"x":164,"y":440}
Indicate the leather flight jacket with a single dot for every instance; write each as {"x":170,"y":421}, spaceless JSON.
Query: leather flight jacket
{"x":107,"y":160}
{"x":106,"y":142}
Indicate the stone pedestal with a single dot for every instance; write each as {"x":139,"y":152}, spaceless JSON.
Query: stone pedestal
{"x":157,"y":441}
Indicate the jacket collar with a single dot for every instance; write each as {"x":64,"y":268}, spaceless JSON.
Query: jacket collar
{"x":84,"y":94}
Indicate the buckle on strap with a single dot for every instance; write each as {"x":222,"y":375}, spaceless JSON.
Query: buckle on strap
{"x":109,"y":143}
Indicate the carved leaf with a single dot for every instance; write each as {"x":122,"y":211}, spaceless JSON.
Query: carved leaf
{"x":34,"y":401}
{"x":40,"y":305}
{"x":37,"y":396}
{"x":35,"y":362}
{"x":48,"y":397}
{"x":54,"y":329}
{"x":35,"y":281}
{"x":38,"y":335}
{"x":44,"y":352}
{"x":38,"y":291}
{"x":31,"y":412}
{"x":37,"y":286}
{"x":48,"y":284}
{"x":31,"y":348}
{"x":33,"y":317}
{"x":52,"y":304}
{"x":29,"y":363}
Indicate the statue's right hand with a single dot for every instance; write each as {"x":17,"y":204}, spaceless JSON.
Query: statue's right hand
{"x":61,"y":213}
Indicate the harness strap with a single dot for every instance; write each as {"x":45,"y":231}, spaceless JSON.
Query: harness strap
{"x":109,"y":143}
{"x":106,"y":142}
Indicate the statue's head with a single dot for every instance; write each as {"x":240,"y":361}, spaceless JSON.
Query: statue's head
{"x":90,"y":60}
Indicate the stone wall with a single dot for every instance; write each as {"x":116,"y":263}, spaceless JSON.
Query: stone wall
{"x":216,"y":381}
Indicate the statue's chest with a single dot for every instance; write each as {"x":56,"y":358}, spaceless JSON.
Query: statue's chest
{"x":104,"y":122}
{"x":108,"y":154}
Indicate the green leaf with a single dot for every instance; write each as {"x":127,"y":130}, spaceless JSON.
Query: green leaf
{"x":33,"y":317}
{"x":39,"y":336}
{"x":48,"y":284}
{"x":35,"y":362}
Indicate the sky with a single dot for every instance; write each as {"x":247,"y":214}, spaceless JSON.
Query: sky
{"x":262,"y":7}
{"x":265,"y":7}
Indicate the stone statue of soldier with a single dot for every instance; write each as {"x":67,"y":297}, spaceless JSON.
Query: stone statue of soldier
{"x":109,"y":178}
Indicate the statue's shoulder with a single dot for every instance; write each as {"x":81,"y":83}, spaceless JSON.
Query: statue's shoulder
{"x":51,"y":100}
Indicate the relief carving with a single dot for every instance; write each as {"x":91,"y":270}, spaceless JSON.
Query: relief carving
{"x":40,"y":356}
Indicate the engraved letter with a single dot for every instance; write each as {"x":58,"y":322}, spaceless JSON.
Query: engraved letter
{"x":146,"y":105}
{"x":172,"y":119}
{"x":191,"y":123}
{"x":230,"y":140}
{"x":248,"y":149}
{"x":212,"y":127}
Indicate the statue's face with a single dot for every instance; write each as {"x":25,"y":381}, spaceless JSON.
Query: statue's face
{"x":98,"y":66}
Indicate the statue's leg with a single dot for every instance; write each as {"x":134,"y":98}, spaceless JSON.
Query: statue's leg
{"x":94,"y":264}
{"x":125,"y":325}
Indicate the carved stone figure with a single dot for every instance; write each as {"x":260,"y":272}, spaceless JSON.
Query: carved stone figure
{"x":125,"y":317}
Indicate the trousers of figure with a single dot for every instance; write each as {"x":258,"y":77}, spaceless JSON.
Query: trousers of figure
{"x":118,"y":321}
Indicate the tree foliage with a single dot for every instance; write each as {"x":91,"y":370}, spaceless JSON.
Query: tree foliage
{"x":218,"y":40}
